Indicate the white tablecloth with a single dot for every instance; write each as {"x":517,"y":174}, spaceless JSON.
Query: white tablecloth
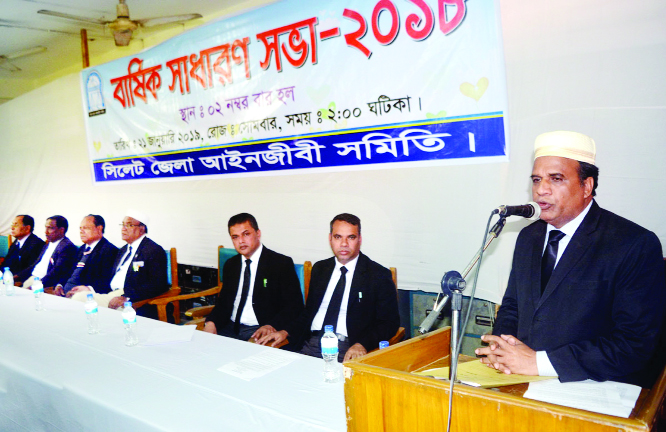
{"x":54,"y":376}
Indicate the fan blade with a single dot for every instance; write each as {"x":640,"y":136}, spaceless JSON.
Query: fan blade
{"x":92,"y":38}
{"x":151,"y":22}
{"x":24,"y":52}
{"x":73,"y":17}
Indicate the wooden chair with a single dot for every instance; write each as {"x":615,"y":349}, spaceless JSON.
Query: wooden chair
{"x":162,"y":300}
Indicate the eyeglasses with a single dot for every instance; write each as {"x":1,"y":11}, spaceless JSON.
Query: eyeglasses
{"x":128,"y":225}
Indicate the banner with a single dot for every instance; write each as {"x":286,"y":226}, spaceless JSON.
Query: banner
{"x":299,"y":85}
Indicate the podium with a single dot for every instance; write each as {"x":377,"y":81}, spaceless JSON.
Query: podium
{"x":382,"y":395}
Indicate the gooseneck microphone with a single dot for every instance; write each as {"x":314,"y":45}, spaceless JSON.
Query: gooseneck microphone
{"x":531,"y":210}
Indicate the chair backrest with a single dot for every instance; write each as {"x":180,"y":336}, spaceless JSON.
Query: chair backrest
{"x":223,"y":254}
{"x":172,"y":267}
{"x":4,"y":246}
{"x":303,"y":272}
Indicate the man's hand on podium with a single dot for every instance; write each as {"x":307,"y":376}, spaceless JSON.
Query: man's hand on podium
{"x":509,"y":355}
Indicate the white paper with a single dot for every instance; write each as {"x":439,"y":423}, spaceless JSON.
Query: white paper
{"x":170,"y":334}
{"x":612,"y":398}
{"x":259,"y":364}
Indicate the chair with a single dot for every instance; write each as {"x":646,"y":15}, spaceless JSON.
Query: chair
{"x":162,"y":300}
{"x":5,"y":244}
{"x":400,"y":334}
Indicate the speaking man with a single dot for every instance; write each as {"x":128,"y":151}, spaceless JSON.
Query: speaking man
{"x":586,"y":295}
{"x":261,"y":291}
{"x":349,"y":291}
{"x":26,"y":247}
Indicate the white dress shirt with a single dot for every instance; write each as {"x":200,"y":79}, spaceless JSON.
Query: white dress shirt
{"x":248,"y":316}
{"x":118,"y":280}
{"x":43,"y":266}
{"x":341,"y":326}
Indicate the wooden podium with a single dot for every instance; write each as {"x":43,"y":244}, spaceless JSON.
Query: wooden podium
{"x":382,"y":395}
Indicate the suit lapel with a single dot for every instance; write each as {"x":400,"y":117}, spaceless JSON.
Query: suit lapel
{"x":119,"y":257}
{"x":535,"y":267}
{"x":577,"y":247}
{"x":262,"y":269}
{"x":359,"y":281}
{"x":317,"y":294}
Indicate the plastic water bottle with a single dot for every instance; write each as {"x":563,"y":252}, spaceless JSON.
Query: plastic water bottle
{"x":92,"y":314}
{"x":329,"y":351}
{"x":129,"y":321}
{"x":38,"y":290}
{"x":383,"y":344}
{"x":8,"y":282}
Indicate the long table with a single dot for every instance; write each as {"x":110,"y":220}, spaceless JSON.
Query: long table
{"x":54,"y":376}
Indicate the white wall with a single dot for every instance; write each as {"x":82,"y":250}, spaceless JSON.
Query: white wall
{"x":596,"y":67}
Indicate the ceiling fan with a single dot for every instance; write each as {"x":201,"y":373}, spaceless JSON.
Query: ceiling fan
{"x":6,"y":59}
{"x":122,"y":27}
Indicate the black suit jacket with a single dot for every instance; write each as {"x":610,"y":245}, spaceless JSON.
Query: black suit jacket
{"x":60,"y":265}
{"x":97,"y":270}
{"x":372,"y":310}
{"x":147,"y":273}
{"x":602,"y":310}
{"x":20,"y":259}
{"x":276,"y":297}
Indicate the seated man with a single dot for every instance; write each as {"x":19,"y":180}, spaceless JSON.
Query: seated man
{"x":140,"y":269}
{"x":56,"y":261}
{"x":94,"y":268}
{"x":586,"y":295}
{"x":351,"y":292}
{"x":266,"y":278}
{"x":26,"y":247}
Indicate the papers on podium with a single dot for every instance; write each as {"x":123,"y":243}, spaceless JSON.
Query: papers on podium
{"x":609,"y":397}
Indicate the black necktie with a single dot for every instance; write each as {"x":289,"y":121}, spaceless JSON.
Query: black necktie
{"x":333,"y":310}
{"x":243,"y":299}
{"x":129,"y":254}
{"x":549,"y":257}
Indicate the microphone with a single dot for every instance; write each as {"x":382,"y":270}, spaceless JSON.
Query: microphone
{"x":531,"y":210}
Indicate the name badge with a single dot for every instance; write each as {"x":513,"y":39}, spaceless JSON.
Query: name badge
{"x":136,"y":265}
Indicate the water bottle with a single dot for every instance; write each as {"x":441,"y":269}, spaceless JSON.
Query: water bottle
{"x":383,"y":344}
{"x":92,"y":315}
{"x":8,"y":281}
{"x":329,"y":351}
{"x":129,"y":321}
{"x":38,"y":290}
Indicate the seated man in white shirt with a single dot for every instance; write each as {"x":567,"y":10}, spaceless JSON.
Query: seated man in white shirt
{"x":56,"y":261}
{"x":140,"y":268}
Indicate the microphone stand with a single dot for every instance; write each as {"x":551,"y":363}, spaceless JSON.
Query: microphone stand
{"x":439,"y":305}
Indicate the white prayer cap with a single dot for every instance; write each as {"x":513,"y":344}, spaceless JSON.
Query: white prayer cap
{"x":140,"y":216}
{"x":571,"y":145}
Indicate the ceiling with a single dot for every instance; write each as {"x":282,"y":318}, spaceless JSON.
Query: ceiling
{"x":62,"y":39}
